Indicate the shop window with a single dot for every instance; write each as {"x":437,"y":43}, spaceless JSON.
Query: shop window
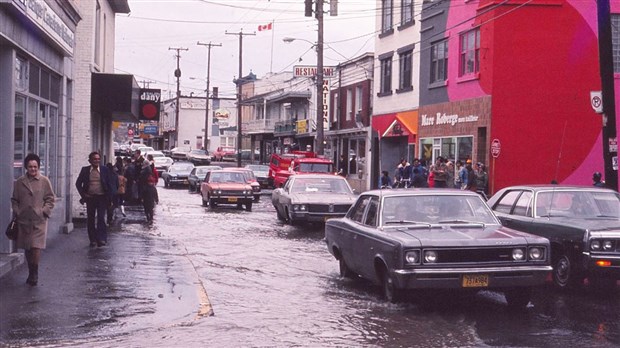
{"x":33,"y":79}
{"x":464,"y":148}
{"x":448,"y":148}
{"x":18,"y":133}
{"x":470,"y":53}
{"x":45,"y":85}
{"x":21,"y":74}
{"x":353,"y":151}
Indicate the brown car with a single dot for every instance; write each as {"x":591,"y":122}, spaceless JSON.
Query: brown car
{"x":226,"y":187}
{"x":249,"y":176}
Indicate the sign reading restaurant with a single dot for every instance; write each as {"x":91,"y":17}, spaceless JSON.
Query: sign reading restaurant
{"x":443,"y":118}
{"x":310,"y":70}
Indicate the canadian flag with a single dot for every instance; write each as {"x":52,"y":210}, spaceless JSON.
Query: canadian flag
{"x":265,"y":27}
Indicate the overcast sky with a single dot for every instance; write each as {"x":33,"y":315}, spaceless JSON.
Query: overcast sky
{"x":143,"y":39}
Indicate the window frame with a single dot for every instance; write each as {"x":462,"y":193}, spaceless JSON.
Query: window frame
{"x":469,"y":53}
{"x":385,"y":80}
{"x":405,"y":69}
{"x":387,"y":15}
{"x":406,"y":12}
{"x":439,"y":62}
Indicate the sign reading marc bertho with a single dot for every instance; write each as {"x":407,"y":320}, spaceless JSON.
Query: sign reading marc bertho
{"x":150,"y":104}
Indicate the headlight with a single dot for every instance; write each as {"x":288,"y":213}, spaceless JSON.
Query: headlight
{"x":595,"y":245}
{"x":608,"y":245}
{"x":518,"y":254}
{"x":430,"y":256}
{"x":299,"y":207}
{"x":412,"y":257}
{"x":218,"y":192}
{"x":536,"y":254}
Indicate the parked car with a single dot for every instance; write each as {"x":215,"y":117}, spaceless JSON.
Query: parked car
{"x":582,"y":223}
{"x":261,"y":172}
{"x":180,"y":153}
{"x":199,"y":157}
{"x":177,"y":174}
{"x":406,"y":239}
{"x":145,"y":149}
{"x":162,"y":163}
{"x":117,"y":148}
{"x":301,"y":166}
{"x":312,"y":198}
{"x":221,"y":152}
{"x":125,"y":150}
{"x":226,"y":187}
{"x":197,"y":175}
{"x":249,"y":176}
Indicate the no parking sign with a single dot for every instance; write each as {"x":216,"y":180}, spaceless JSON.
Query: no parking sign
{"x":496,"y":148}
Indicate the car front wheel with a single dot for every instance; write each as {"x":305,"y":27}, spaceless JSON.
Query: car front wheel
{"x":518,"y":297}
{"x":390,"y":291}
{"x":564,"y":275}
{"x":345,"y":271}
{"x":166,"y":183}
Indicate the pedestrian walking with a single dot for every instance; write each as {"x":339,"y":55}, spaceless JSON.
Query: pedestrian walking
{"x":32,"y":203}
{"x":385,"y":181}
{"x":146,"y":188}
{"x":471,"y":177}
{"x":440,"y":173}
{"x":154,"y":179}
{"x":482,"y":179}
{"x":597,"y":177}
{"x":94,"y":184}
{"x":114,"y":194}
{"x":405,"y":173}
{"x":342,"y":166}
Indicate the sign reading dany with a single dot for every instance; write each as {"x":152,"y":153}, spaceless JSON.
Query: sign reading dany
{"x":150,"y":104}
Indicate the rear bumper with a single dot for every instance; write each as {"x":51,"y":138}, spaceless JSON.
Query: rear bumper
{"x":452,"y":278}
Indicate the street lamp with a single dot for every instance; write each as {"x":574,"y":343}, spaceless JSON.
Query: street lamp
{"x":319,"y":87}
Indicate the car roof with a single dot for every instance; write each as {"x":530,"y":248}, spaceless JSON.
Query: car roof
{"x":316,"y":176}
{"x":312,"y":160}
{"x":420,"y":191}
{"x":547,"y":187}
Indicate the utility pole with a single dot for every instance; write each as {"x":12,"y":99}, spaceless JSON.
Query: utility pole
{"x":177,"y":74}
{"x":610,"y":152}
{"x":241,"y":33}
{"x":146,"y":84}
{"x":209,"y":45}
{"x":320,"y":122}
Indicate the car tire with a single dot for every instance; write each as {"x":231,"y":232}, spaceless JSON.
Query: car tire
{"x":390,"y":292}
{"x":564,"y":274}
{"x":190,"y":188}
{"x":166,"y":183}
{"x":289,"y":218}
{"x":212,"y":203}
{"x":345,"y":271}
{"x":204,"y":202}
{"x":256,"y":198}
{"x":518,"y":298}
{"x":248,"y":206}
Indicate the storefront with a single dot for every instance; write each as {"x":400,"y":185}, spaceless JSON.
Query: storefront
{"x":397,"y":134}
{"x":455,"y":131}
{"x":37,"y":42}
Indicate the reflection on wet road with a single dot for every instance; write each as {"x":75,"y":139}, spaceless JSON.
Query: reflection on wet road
{"x":271,"y":284}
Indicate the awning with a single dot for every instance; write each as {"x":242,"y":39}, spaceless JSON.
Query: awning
{"x":115,"y":95}
{"x":397,"y":125}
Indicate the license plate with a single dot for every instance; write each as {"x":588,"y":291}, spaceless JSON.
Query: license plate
{"x":232,"y":199}
{"x":475,"y":280}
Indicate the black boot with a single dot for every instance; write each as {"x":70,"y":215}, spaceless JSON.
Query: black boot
{"x":33,"y":275}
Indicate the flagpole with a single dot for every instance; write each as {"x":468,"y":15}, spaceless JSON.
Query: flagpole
{"x":272,"y":35}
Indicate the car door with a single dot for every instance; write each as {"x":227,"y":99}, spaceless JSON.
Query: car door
{"x":367,"y":242}
{"x":521,"y":215}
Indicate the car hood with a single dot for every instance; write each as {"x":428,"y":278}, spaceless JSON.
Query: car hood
{"x":180,"y":173}
{"x":465,"y":236}
{"x":199,"y":156}
{"x":592,"y":224}
{"x":322,"y":197}
{"x":231,"y":186}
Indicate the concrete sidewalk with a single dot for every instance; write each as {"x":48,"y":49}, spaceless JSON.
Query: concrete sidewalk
{"x":139,"y":280}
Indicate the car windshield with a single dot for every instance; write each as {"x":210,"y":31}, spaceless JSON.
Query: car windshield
{"x":436,"y":209}
{"x":578,"y":203}
{"x":228,"y":177}
{"x":181,"y":168}
{"x":258,"y":168}
{"x":156,"y":154}
{"x":320,"y":185}
{"x":198,"y":152}
{"x":315,"y":167}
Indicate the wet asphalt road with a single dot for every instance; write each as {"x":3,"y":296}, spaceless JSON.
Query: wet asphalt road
{"x":271,"y":284}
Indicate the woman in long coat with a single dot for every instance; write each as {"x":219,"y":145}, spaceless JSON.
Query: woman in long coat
{"x":32,"y":203}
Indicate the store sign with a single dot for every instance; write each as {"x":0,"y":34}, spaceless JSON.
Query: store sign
{"x":149,"y":104}
{"x":45,"y":18}
{"x":445,"y":119}
{"x":325,"y":104}
{"x":613,"y":144}
{"x":302,"y":126}
{"x":310,"y":71}
{"x":152,"y":130}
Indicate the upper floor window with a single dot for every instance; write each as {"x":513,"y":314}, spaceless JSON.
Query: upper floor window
{"x":349,"y":104}
{"x":405,"y":71}
{"x":386,"y":15}
{"x":359,"y":95}
{"x":406,"y":10}
{"x":615,"y":39}
{"x":439,"y":61}
{"x":470,"y":52}
{"x":386,"y":76}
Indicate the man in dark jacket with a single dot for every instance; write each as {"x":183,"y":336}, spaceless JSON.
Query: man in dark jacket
{"x":94,"y":184}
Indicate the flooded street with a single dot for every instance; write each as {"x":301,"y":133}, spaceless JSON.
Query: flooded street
{"x":271,"y":284}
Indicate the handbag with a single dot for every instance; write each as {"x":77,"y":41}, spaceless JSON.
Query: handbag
{"x":11,"y":230}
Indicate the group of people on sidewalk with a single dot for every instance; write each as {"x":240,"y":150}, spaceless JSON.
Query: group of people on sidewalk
{"x":104,"y":189}
{"x":442,"y":174}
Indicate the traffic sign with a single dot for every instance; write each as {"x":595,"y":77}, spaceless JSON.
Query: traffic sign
{"x":596,"y":100}
{"x":496,"y":148}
